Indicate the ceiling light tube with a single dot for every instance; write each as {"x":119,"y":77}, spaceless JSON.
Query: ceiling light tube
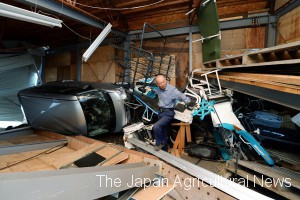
{"x":96,"y":43}
{"x":28,"y":16}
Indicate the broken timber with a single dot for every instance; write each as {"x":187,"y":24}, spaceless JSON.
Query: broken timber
{"x":51,"y":172}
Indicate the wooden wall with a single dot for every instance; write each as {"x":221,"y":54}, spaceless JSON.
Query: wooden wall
{"x":280,"y":3}
{"x":239,"y":41}
{"x":289,"y":27}
{"x":58,"y":67}
{"x":233,"y":42}
{"x":100,"y":66}
{"x":178,"y":47}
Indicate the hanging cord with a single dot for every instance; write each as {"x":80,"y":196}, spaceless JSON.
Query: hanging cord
{"x":131,"y":8}
{"x":89,"y":39}
{"x":48,"y":151}
{"x":65,"y":25}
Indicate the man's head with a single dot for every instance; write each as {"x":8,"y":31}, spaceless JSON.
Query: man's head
{"x":161,"y":82}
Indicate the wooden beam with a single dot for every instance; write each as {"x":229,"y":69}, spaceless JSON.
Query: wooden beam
{"x":260,"y":83}
{"x":286,"y":79}
{"x":160,"y":6}
{"x":244,"y":7}
{"x":138,"y":24}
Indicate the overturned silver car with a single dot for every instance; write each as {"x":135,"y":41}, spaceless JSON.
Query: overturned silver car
{"x":73,"y":107}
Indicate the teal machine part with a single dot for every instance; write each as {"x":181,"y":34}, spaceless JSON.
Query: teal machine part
{"x":249,"y":138}
{"x":208,"y":22}
{"x":225,"y":154}
{"x":205,"y":108}
{"x":148,"y":112}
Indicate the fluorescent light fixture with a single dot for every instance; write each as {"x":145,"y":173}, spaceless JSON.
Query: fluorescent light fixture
{"x":28,"y":16}
{"x":96,"y":43}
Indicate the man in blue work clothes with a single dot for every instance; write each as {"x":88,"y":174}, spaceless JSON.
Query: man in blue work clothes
{"x":167,"y":96}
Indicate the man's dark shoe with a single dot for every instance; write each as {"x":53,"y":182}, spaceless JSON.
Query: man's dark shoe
{"x":158,"y":147}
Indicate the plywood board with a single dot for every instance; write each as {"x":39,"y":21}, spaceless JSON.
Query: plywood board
{"x":289,"y":27}
{"x":63,"y":161}
{"x":280,"y":3}
{"x":152,"y":192}
{"x":53,"y":62}
{"x":100,"y":67}
{"x":27,"y":139}
{"x":115,"y":159}
{"x":255,"y":37}
{"x":233,"y":39}
{"x":49,"y":134}
{"x":98,"y":72}
{"x":197,"y":52}
{"x":286,"y":79}
{"x":31,"y":165}
{"x":32,"y":161}
{"x":6,"y":160}
{"x":107,"y":152}
{"x":76,"y":144}
{"x":265,"y":84}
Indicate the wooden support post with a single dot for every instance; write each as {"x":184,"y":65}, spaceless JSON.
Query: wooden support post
{"x":179,"y":143}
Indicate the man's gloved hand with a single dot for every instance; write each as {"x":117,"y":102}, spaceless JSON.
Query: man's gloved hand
{"x":190,"y":105}
{"x":180,"y":106}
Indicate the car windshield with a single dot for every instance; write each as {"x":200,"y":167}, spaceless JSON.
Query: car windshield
{"x":98,"y":111}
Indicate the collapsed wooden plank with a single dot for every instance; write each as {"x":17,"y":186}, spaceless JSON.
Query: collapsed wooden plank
{"x":63,"y":161}
{"x":293,"y":89}
{"x":286,"y":79}
{"x":153,"y":192}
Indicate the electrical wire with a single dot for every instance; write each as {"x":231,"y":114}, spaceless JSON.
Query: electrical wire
{"x":65,"y":25}
{"x":132,"y":8}
{"x":89,"y":39}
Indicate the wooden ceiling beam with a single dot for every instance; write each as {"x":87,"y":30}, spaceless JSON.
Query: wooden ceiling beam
{"x":241,"y":8}
{"x":138,"y":24}
{"x":158,"y":13}
{"x":222,"y":3}
{"x":132,"y":3}
{"x":163,"y":5}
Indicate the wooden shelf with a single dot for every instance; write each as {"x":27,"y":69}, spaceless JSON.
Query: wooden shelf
{"x":283,"y":54}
